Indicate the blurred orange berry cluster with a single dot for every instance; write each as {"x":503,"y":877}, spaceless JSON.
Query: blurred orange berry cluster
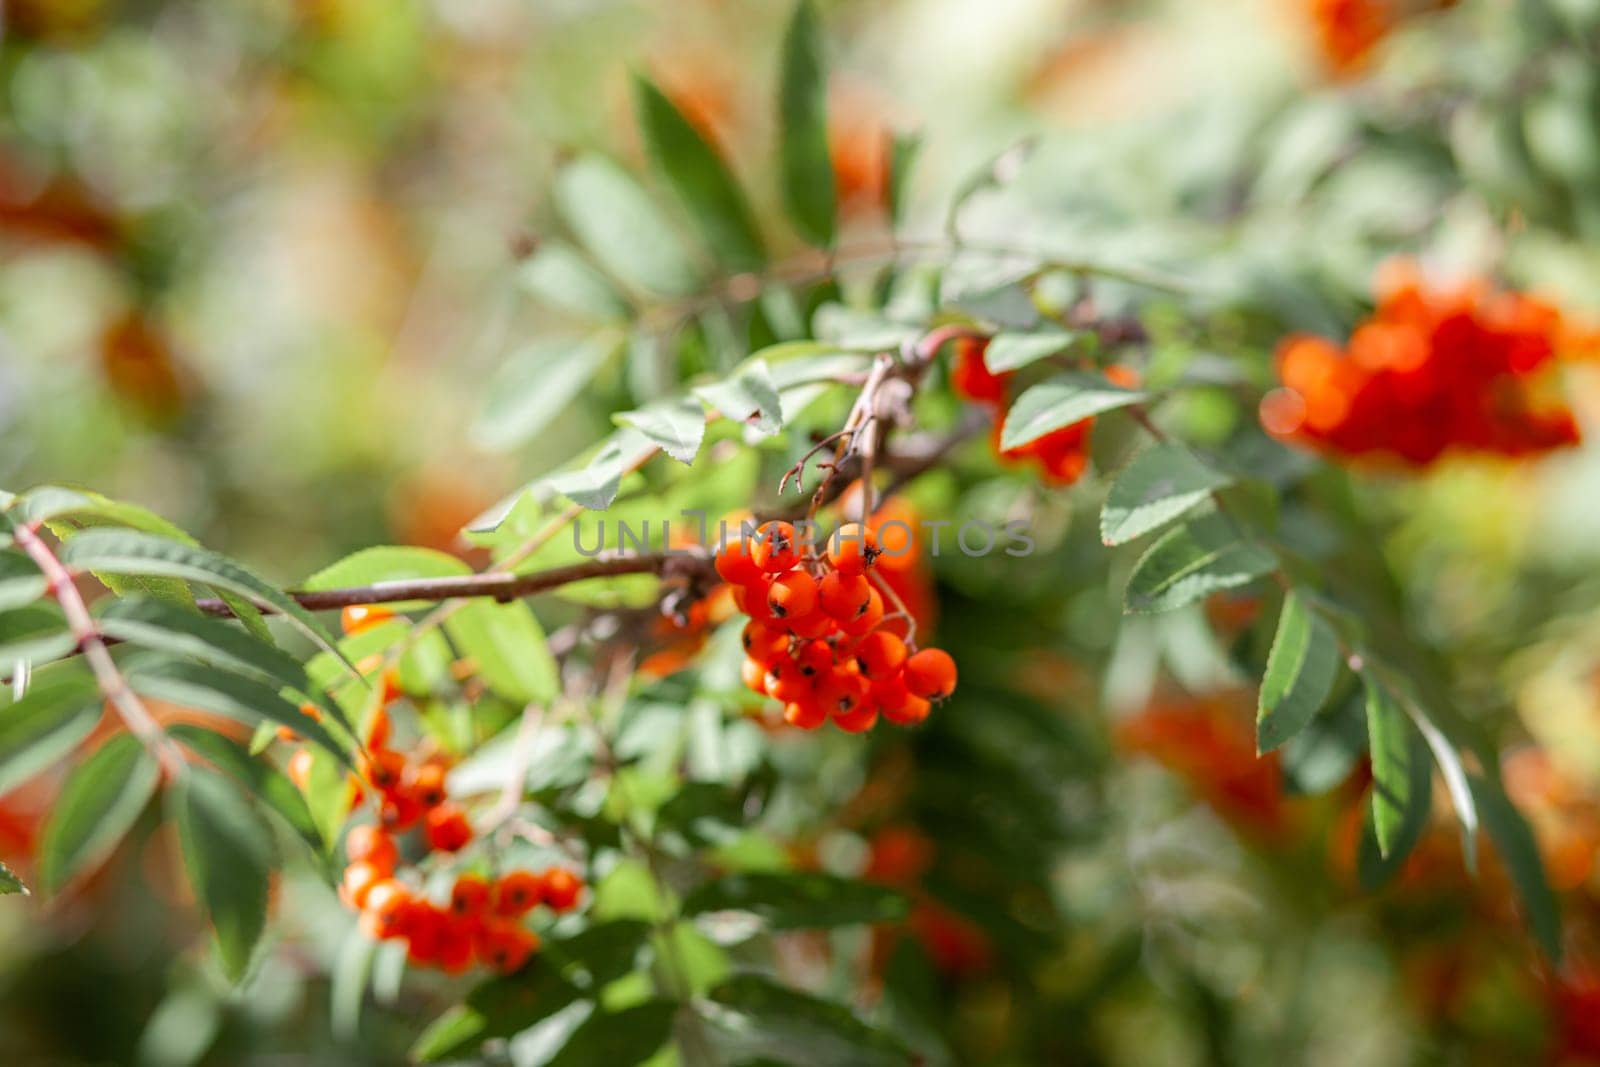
{"x":1061,"y":455}
{"x":817,"y":640}
{"x":481,"y":921}
{"x":1347,"y":31}
{"x":1432,"y":370}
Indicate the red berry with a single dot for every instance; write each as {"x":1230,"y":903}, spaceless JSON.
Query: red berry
{"x":842,"y":692}
{"x":908,"y":711}
{"x":807,"y":714}
{"x":754,"y":676}
{"x":358,"y":617}
{"x":448,"y":828}
{"x":763,"y":643}
{"x":370,"y":844}
{"x":516,"y":893}
{"x":560,"y":889}
{"x":931,"y":674}
{"x":456,"y":945}
{"x":427,"y":785}
{"x":785,"y":681}
{"x":504,"y":947}
{"x":859,"y":721}
{"x":384,"y":915}
{"x":469,"y":897}
{"x":357,"y":883}
{"x":868,"y":620}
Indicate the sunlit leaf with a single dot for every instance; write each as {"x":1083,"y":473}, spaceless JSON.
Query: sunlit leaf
{"x":1300,"y":672}
{"x":1062,"y":401}
{"x":1161,"y":484}
{"x":616,"y":220}
{"x":1203,"y":556}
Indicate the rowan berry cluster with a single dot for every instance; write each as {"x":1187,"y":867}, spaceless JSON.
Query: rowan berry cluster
{"x":482,"y":921}
{"x":817,"y":641}
{"x":1061,"y":455}
{"x":1432,"y":370}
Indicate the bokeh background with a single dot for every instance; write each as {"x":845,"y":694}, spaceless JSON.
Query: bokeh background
{"x":262,"y":266}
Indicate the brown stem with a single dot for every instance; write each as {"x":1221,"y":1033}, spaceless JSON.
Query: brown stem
{"x":113,"y":686}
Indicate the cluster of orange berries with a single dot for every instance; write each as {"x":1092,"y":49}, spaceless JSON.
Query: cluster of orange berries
{"x":481,"y":921}
{"x":1432,"y":370}
{"x":1061,"y":455}
{"x":816,"y":639}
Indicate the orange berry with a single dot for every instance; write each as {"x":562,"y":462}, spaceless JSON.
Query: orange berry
{"x":868,"y":620}
{"x":383,"y":768}
{"x":880,"y":654}
{"x":516,"y":893}
{"x":751,"y":598}
{"x":504,"y":947}
{"x":385,"y":913}
{"x":810,"y":627}
{"x":378,"y":729}
{"x":931,"y":674}
{"x":807,"y":714}
{"x":357,"y":883}
{"x":560,"y":889}
{"x":815,"y":659}
{"x":734,"y":562}
{"x":842,"y":692}
{"x":910,"y":711}
{"x":859,"y":721}
{"x":370,"y":844}
{"x":448,"y":829}
{"x":358,"y":617}
{"x":390,"y":688}
{"x":774,"y":547}
{"x":469,"y":897}
{"x":844,"y":596}
{"x":399,"y":811}
{"x":287,"y":734}
{"x":763,"y":643}
{"x":754,"y":676}
{"x":427,"y":785}
{"x":852,"y":548}
{"x":792,"y":596}
{"x":424,"y":933}
{"x":300,"y":769}
{"x":785,"y":681}
{"x":456,"y":945}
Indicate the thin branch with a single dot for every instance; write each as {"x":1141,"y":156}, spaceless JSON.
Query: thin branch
{"x":113,"y":686}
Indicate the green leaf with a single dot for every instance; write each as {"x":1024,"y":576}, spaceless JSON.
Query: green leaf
{"x":558,"y":276}
{"x":902,"y":157}
{"x":1393,"y":744}
{"x":1373,"y":867}
{"x":595,"y":485}
{"x":678,"y":426}
{"x":700,"y":178}
{"x":537,"y":383}
{"x":1160,"y":484}
{"x":615,"y":219}
{"x":1301,"y":669}
{"x":265,"y":781}
{"x":166,"y":627}
{"x":1062,"y":401}
{"x":1518,"y":850}
{"x":1321,"y":756}
{"x":804,"y":165}
{"x":1455,"y":781}
{"x":35,"y":633}
{"x":618,"y":1038}
{"x":749,"y":397}
{"x":789,"y":900}
{"x":794,"y":1027}
{"x":98,"y":805}
{"x":127,"y":552}
{"x":197,"y":685}
{"x":602,"y":953}
{"x":508,"y":645}
{"x":387,"y":563}
{"x":499,"y":1008}
{"x":45,"y":726}
{"x":1203,"y":556}
{"x":227,"y":852}
{"x":1013,"y":351}
{"x":10,"y":883}
{"x":20,"y":581}
{"x":56,"y":504}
